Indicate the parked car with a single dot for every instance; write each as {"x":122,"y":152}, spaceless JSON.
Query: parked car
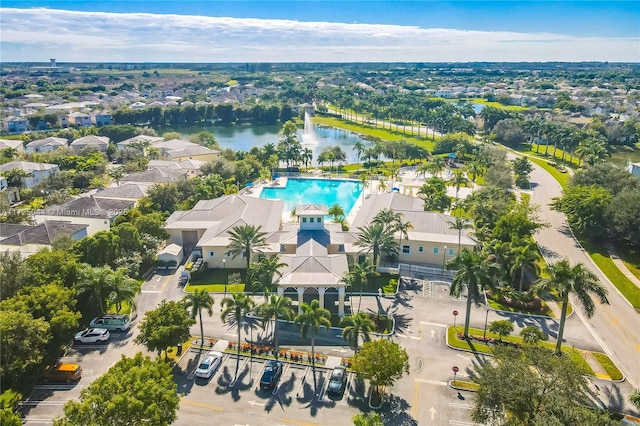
{"x":63,"y":372}
{"x":337,"y":381}
{"x":112,"y":322}
{"x":92,"y":335}
{"x":209,"y":364}
{"x":271,"y":375}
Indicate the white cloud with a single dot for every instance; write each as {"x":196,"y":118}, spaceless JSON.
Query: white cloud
{"x":38,"y":34}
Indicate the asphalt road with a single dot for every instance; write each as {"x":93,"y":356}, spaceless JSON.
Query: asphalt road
{"x":616,"y":327}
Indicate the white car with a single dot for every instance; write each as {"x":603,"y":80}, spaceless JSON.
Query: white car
{"x":209,"y":364}
{"x":92,"y":335}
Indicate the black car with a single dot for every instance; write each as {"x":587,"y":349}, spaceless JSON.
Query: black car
{"x":271,"y":374}
{"x":337,"y":381}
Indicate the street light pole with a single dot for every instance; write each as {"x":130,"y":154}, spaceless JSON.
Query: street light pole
{"x":486,"y":318}
{"x":444,"y":254}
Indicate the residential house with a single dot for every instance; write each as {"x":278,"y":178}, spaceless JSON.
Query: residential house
{"x":46,"y":145}
{"x":101,"y":118}
{"x":36,"y":172}
{"x":138,"y":105}
{"x":191,"y":166}
{"x":28,"y":239}
{"x":99,"y":142}
{"x":127,"y":191}
{"x":139,"y":142}
{"x":14,"y":124}
{"x":97,"y":213}
{"x":156,"y":175}
{"x":14,"y":144}
{"x":80,"y":120}
{"x":178,"y":150}
{"x":431,"y":240}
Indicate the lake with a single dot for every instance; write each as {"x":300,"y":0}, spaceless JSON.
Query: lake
{"x":243,"y":138}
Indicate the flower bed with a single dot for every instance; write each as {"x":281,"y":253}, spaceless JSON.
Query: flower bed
{"x":487,"y":340}
{"x":285,"y":354}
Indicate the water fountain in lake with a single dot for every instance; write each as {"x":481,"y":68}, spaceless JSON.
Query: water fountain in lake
{"x":309,"y":134}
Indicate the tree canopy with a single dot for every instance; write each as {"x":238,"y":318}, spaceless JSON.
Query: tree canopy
{"x":134,"y":391}
{"x":167,"y":325}
{"x":382,"y":362}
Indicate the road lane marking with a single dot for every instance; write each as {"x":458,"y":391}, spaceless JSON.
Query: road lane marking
{"x":201,"y":404}
{"x":435,"y":324}
{"x":414,"y":407}
{"x":431,"y":382}
{"x":465,"y":406}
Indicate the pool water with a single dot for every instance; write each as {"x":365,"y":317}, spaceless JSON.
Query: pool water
{"x":316,"y":191}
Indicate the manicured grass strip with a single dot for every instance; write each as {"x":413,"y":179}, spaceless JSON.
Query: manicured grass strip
{"x":172,"y":351}
{"x":608,"y":365}
{"x":461,"y":384}
{"x":500,"y":306}
{"x":215,"y":288}
{"x":373,"y":131}
{"x":562,"y":178}
{"x":606,"y":265}
{"x":486,"y":349}
{"x":633,"y":268}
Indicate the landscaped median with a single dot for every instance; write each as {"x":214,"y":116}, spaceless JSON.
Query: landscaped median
{"x":485,"y":345}
{"x":462,"y":385}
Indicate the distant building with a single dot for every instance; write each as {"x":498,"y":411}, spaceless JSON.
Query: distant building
{"x":28,"y":239}
{"x":52,"y":67}
{"x":634,"y":169}
{"x":45,"y":145}
{"x":36,"y":172}
{"x":14,"y":124}
{"x":11,"y":143}
{"x":101,"y":142}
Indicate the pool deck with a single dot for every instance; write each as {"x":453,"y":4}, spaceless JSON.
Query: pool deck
{"x":409,"y":183}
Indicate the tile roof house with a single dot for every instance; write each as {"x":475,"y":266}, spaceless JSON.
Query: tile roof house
{"x":138,"y":141}
{"x":126,"y":191}
{"x":28,"y":239}
{"x":178,"y":150}
{"x":14,"y":124}
{"x":9,"y":143}
{"x":101,"y":142}
{"x":45,"y":145}
{"x":191,"y":166}
{"x":37,"y":171}
{"x":96,"y":212}
{"x":156,"y":175}
{"x":80,"y":119}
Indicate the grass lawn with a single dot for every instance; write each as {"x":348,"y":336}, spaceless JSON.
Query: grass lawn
{"x":460,"y":384}
{"x":215,"y":288}
{"x":381,"y":281}
{"x":374,"y":132}
{"x":494,"y":104}
{"x":125,"y":308}
{"x":601,"y":257}
{"x":172,"y":352}
{"x":608,"y":365}
{"x":486,"y":349}
{"x":502,"y":306}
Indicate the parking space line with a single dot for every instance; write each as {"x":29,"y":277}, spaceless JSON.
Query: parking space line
{"x":325,"y":383}
{"x":304,"y":377}
{"x":298,"y":422}
{"x":347,"y":389}
{"x":465,"y":406}
{"x":285,"y":369}
{"x":431,"y":382}
{"x":435,"y":324}
{"x":28,"y":420}
{"x":240,"y":368}
{"x":201,"y":404}
{"x":264,"y":365}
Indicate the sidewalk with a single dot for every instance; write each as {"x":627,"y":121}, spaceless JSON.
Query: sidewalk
{"x":622,"y":267}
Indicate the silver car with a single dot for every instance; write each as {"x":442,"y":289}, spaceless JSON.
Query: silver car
{"x":92,"y":335}
{"x":209,"y":364}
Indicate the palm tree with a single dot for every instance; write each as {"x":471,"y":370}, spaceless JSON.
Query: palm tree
{"x":523,"y":256}
{"x":245,"y":240}
{"x":235,"y":308}
{"x":566,"y":280}
{"x":261,"y":274}
{"x":359,"y":148}
{"x":277,"y":307}
{"x":355,"y":326}
{"x":123,"y":289}
{"x":95,"y":282}
{"x":310,"y":319}
{"x":200,"y":300}
{"x":360,"y":273}
{"x":474,"y":169}
{"x":364,"y":181}
{"x":460,"y":224}
{"x":377,"y":239}
{"x":457,"y":180}
{"x":336,"y":211}
{"x":387,"y":217}
{"x":403,"y":228}
{"x":473,"y":273}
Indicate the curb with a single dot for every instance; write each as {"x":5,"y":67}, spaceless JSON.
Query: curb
{"x":460,"y":388}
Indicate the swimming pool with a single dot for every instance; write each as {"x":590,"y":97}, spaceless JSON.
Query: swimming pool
{"x":315,"y":191}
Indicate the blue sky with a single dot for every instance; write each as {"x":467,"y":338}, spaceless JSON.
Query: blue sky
{"x":333,"y":30}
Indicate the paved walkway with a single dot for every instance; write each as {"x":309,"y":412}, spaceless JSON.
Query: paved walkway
{"x":623,"y":268}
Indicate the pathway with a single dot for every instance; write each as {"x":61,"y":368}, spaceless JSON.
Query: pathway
{"x":622,"y":267}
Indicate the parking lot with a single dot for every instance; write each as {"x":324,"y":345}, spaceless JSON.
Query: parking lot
{"x":225,"y":398}
{"x":46,"y":400}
